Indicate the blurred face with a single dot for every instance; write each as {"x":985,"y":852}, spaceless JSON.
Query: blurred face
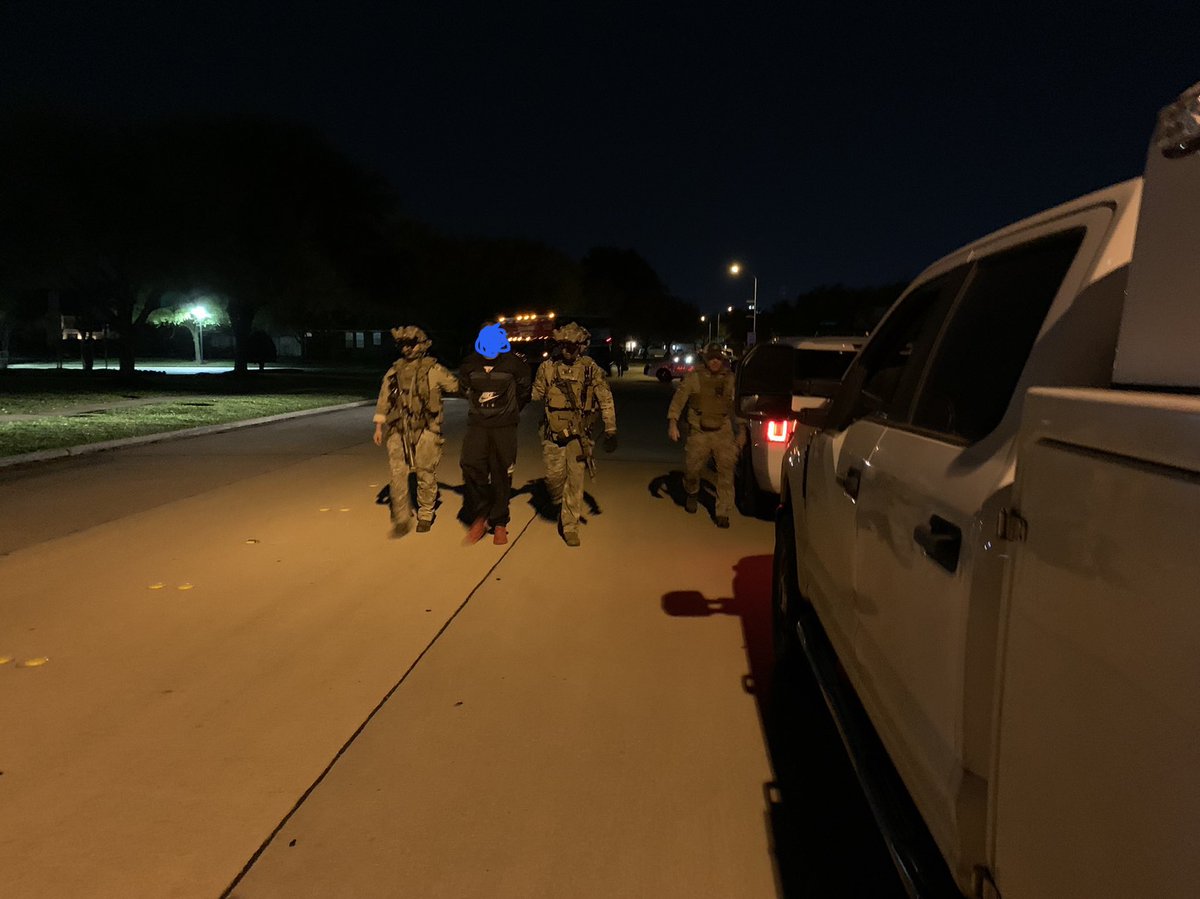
{"x":410,"y":350}
{"x":715,"y":365}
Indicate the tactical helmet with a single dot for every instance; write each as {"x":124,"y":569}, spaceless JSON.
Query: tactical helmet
{"x":572,"y":333}
{"x":412,"y":337}
{"x":714,"y":351}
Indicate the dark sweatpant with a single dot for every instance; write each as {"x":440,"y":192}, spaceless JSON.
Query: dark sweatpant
{"x":488,"y":458}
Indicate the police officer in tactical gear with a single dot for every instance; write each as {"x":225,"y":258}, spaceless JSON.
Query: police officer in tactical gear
{"x":714,"y":429}
{"x":574,"y":389}
{"x":408,"y":417}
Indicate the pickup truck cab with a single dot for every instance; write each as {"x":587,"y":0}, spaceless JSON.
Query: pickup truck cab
{"x":895,"y":547}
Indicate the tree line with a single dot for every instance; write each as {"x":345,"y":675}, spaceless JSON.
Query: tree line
{"x":129,"y":222}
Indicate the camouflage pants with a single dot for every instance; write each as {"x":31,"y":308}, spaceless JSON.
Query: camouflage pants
{"x":426,"y":455}
{"x":718,"y":444}
{"x":564,"y":478}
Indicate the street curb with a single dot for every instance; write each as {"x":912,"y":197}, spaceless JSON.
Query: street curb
{"x":88,"y":448}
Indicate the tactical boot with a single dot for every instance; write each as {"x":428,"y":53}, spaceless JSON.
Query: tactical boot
{"x":423,"y":525}
{"x":500,"y":535}
{"x":690,"y":503}
{"x":722,"y":521}
{"x":475,"y":532}
{"x":571,"y":538}
{"x":400,"y":529}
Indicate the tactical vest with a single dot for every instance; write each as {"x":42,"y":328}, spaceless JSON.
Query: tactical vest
{"x":713,"y":403}
{"x":411,"y":404}
{"x":570,"y":405}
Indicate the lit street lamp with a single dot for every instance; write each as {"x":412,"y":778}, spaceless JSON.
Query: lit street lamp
{"x":704,"y":318}
{"x":735,"y":269}
{"x":199,"y":313}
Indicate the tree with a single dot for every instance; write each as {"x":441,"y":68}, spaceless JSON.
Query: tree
{"x":284,"y":225}
{"x":82,"y":210}
{"x":193,"y":313}
{"x":835,"y":309}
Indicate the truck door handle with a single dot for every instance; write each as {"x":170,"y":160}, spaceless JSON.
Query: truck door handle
{"x":851,"y":482}
{"x":941,"y":541}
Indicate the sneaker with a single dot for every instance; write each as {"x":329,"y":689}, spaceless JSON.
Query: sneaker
{"x":475,"y":532}
{"x":423,"y":525}
{"x":500,"y":535}
{"x":570,"y":538}
{"x":690,"y":503}
{"x":722,"y":521}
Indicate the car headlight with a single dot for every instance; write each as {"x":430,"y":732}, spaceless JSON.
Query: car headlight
{"x":689,"y":359}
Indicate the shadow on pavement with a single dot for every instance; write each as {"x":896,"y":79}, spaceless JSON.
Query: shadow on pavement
{"x":545,"y":507}
{"x":672,"y":484}
{"x":823,"y":836}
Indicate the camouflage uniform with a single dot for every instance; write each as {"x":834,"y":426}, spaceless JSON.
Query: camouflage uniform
{"x":573,"y":391}
{"x":409,"y":409}
{"x":712,"y":430}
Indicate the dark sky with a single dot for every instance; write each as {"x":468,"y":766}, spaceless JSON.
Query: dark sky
{"x":818,"y":142}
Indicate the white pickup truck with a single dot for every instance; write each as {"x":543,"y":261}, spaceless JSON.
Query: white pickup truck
{"x":990,"y":551}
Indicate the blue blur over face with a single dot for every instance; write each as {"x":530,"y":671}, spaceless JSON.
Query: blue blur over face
{"x":492,"y":341}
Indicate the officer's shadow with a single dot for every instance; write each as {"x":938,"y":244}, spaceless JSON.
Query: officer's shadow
{"x":545,"y":507}
{"x":672,"y":484}
{"x":538,"y":492}
{"x":384,"y":496}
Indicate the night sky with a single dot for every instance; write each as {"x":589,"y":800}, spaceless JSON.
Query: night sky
{"x":818,"y":143}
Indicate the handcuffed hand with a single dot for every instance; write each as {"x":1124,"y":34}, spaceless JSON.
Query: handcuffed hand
{"x":610,"y":442}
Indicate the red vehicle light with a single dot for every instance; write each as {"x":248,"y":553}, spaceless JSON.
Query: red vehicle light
{"x":778,"y":431}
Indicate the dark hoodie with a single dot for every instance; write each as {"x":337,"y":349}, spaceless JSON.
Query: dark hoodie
{"x":496,"y":397}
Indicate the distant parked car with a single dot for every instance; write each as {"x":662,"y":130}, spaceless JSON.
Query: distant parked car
{"x":671,"y":367}
{"x":774,"y":382}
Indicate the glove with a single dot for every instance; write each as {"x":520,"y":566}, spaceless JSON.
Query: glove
{"x":610,"y":442}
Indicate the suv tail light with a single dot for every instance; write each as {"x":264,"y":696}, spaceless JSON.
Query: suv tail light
{"x":778,"y":430}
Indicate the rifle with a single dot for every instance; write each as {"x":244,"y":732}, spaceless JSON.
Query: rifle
{"x":587,"y":455}
{"x":586,"y":444}
{"x":397,"y":420}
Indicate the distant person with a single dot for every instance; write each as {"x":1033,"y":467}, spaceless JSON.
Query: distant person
{"x":497,"y":385}
{"x":620,"y":360}
{"x":408,"y":418}
{"x":574,"y":389}
{"x":707,"y":393}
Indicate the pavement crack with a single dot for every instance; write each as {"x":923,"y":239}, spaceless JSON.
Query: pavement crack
{"x":227,"y":893}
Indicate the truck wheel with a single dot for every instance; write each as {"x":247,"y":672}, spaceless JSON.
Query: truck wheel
{"x":664,"y":375}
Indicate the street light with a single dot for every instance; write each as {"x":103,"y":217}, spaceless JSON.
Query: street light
{"x":199,"y":313}
{"x":703,"y":319}
{"x":735,"y":269}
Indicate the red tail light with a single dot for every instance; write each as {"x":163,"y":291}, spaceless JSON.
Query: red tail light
{"x":778,"y":431}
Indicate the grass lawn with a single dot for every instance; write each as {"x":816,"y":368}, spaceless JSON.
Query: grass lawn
{"x":155,"y":403}
{"x":54,"y":431}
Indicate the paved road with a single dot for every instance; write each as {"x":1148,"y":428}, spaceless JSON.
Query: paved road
{"x":249,"y":686}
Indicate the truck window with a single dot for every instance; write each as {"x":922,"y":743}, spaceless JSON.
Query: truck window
{"x":983,"y":351}
{"x":892,"y":362}
{"x":822,"y":365}
{"x":767,"y":370}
